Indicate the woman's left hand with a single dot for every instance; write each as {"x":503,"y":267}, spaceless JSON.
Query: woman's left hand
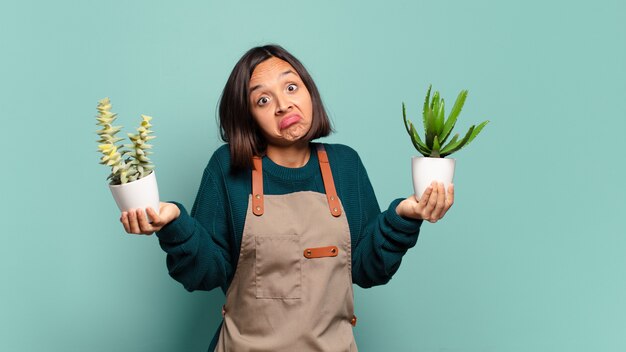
{"x":432,"y":206}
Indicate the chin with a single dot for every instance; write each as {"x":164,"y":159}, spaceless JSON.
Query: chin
{"x":288,"y":141}
{"x":294,"y":134}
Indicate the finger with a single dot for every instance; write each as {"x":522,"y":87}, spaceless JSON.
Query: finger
{"x":156,"y":219}
{"x":449,"y":199}
{"x":426,"y":210}
{"x":124,"y":220}
{"x":432,"y":201}
{"x":145,"y":227}
{"x":132,"y":221}
{"x":426,"y":195}
{"x":441,"y":202}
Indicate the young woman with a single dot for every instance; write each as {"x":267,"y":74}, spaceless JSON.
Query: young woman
{"x":282,"y":225}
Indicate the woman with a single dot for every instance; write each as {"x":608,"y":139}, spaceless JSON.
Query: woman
{"x":283,"y":225}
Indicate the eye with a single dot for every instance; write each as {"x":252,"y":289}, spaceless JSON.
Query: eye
{"x":292,"y":87}
{"x":262,"y":101}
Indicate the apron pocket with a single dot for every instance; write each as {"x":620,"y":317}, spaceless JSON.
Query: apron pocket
{"x":277,"y":267}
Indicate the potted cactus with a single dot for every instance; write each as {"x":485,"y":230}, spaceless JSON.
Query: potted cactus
{"x":436,"y":145}
{"x":133,"y":180}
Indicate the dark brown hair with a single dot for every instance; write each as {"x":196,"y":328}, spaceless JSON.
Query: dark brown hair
{"x":237,"y":126}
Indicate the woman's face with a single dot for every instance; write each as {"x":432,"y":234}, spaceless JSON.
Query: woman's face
{"x":280,"y":102}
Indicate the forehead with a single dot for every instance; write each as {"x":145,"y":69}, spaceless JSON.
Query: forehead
{"x":270,"y":70}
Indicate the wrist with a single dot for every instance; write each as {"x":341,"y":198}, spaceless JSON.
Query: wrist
{"x":406,"y":211}
{"x":395,"y":216}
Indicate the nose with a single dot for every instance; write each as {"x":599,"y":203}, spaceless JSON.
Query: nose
{"x":283,"y":104}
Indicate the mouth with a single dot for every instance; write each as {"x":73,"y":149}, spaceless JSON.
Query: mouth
{"x":288,"y":121}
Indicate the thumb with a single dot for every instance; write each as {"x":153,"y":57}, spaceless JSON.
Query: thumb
{"x":156,"y":219}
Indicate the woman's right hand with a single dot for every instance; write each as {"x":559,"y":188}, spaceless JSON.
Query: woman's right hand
{"x":135,"y":221}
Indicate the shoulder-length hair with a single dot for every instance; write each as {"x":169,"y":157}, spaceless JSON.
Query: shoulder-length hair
{"x":237,"y":126}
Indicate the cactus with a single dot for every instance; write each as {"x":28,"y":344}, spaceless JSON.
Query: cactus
{"x":127,"y":165}
{"x":437,"y":128}
{"x":140,"y":165}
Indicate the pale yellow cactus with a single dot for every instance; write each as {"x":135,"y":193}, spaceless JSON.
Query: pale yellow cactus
{"x":126,"y":165}
{"x":140,"y":165}
{"x":111,"y":157}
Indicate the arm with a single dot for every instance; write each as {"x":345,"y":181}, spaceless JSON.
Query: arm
{"x":198,"y":246}
{"x":383,"y":238}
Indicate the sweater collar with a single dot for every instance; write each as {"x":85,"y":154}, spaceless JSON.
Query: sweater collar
{"x":310,"y":169}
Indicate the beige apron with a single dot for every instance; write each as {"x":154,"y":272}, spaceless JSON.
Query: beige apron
{"x":292,"y":290}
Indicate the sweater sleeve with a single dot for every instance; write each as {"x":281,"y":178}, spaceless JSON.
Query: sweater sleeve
{"x":383,"y":239}
{"x":198,"y":245}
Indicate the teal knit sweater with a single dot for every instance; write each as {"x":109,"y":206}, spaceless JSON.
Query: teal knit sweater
{"x":203,"y":248}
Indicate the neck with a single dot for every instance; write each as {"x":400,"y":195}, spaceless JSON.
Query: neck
{"x":289,"y":156}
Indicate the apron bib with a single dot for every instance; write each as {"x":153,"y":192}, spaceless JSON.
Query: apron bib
{"x":292,"y":289}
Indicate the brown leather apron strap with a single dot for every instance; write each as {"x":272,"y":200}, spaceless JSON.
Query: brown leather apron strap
{"x":257,"y":186}
{"x":329,"y":184}
{"x":327,"y":176}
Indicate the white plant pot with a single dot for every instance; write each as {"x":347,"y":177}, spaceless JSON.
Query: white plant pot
{"x":139,"y":194}
{"x":426,"y":170}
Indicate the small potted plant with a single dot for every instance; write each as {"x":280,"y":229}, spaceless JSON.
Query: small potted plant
{"x":133,"y":180}
{"x":435,"y":146}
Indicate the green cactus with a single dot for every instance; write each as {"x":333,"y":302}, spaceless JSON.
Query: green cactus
{"x":127,"y":165}
{"x":437,"y":128}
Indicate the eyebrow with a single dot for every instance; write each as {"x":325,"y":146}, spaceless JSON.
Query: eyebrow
{"x":260,"y":85}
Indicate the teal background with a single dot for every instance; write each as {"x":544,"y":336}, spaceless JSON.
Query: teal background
{"x":530,"y":258}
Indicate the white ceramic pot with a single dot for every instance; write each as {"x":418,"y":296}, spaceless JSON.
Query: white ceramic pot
{"x":141,"y":194}
{"x":427,"y":170}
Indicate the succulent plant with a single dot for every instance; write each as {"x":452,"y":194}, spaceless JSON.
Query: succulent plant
{"x":139,"y":163}
{"x":130,"y":164}
{"x":437,"y":128}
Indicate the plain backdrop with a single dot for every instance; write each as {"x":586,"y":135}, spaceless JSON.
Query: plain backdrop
{"x":530,"y":258}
